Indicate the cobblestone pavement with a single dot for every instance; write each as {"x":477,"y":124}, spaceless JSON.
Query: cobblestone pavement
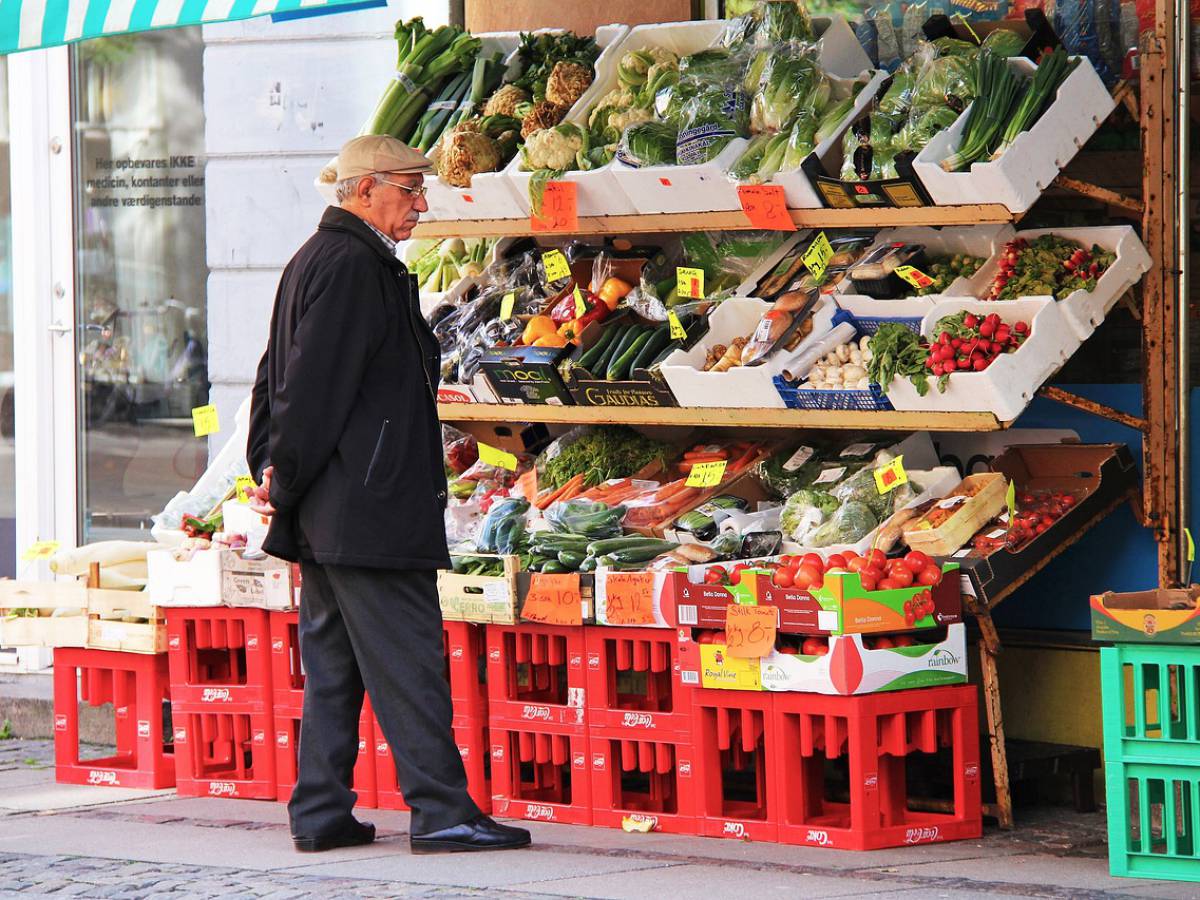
{"x":16,"y":753}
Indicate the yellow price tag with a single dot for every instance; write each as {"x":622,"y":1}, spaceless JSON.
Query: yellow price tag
{"x":1011,"y":499}
{"x":494,"y":456}
{"x":689,"y":282}
{"x":818,"y":254}
{"x":678,"y":332}
{"x":244,"y":484}
{"x":890,"y":476}
{"x":204,"y":420}
{"x":41,"y":550}
{"x":507,"y":304}
{"x":913,"y":276}
{"x":706,"y":474}
{"x":580,"y":306}
{"x":556,"y":265}
{"x":1187,"y":532}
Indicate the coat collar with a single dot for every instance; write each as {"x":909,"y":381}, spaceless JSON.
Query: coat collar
{"x":338,"y":219}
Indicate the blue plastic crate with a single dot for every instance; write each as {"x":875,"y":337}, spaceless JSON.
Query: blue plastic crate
{"x":796,"y":398}
{"x":870,"y":324}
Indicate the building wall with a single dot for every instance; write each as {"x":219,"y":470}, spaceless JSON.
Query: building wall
{"x":279,"y":99}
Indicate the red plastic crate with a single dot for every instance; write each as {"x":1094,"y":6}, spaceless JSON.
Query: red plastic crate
{"x":472,"y":747}
{"x":287,"y":737}
{"x":224,"y":754}
{"x":220,"y":659}
{"x":137,"y":685}
{"x":633,"y":685}
{"x":871,"y":740}
{"x":466,"y":668}
{"x":540,"y":774}
{"x":735,"y":753}
{"x":645,"y":780}
{"x":287,"y":674}
{"x":535,"y":678}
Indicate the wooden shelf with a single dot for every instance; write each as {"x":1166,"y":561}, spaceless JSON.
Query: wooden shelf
{"x":979,"y":214}
{"x":718,"y":417}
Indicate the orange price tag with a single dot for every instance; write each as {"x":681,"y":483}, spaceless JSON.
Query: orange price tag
{"x":750,"y":630}
{"x":528,"y":485}
{"x":553,"y":600}
{"x":559,"y":209}
{"x":629,"y":598}
{"x":765,"y":206}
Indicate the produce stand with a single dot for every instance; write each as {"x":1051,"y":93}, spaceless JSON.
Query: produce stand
{"x":1164,"y":343}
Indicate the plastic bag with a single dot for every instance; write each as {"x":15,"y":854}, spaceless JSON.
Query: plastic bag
{"x":708,"y":119}
{"x":852,"y":522}
{"x":586,"y":517}
{"x":503,"y":526}
{"x":460,"y":450}
{"x":804,"y":512}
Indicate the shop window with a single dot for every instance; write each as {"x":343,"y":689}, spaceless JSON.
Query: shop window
{"x":141,"y":275}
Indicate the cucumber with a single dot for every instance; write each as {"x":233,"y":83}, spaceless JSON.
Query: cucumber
{"x":619,"y":368}
{"x":627,"y":338}
{"x":571,"y":559}
{"x":608,"y":545}
{"x":657,"y":341}
{"x":554,"y":567}
{"x":600,"y":364}
{"x":588,"y":564}
{"x":597,"y":349}
{"x":643,"y":554}
{"x":665,"y":352}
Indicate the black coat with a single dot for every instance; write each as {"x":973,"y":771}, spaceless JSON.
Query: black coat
{"x":344,"y":408}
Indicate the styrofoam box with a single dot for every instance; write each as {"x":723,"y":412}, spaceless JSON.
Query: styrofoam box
{"x":1085,"y":310}
{"x":411,"y":250}
{"x":1035,"y":158}
{"x":494,"y":195}
{"x":741,"y":386}
{"x":193,"y":582}
{"x":491,"y":195}
{"x":1008,"y":384}
{"x":985,"y":241}
{"x":796,"y":185}
{"x":707,"y":187}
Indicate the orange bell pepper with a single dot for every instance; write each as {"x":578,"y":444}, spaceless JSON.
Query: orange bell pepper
{"x":613,"y":291}
{"x":550,"y":340}
{"x":537,"y":327}
{"x":570,"y":331}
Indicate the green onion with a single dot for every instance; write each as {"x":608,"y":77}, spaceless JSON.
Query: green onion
{"x":1052,"y":71}
{"x":998,"y":88}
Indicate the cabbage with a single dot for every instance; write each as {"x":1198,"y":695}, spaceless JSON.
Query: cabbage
{"x":948,"y":46}
{"x":787,"y":83}
{"x":945,"y":78}
{"x":804,"y":512}
{"x":852,"y":522}
{"x":647,"y":144}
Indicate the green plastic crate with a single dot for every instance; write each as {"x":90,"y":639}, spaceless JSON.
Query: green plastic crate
{"x":1153,"y":820}
{"x":1151,"y":701}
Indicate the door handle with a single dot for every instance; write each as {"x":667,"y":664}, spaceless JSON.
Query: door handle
{"x":58,"y":328}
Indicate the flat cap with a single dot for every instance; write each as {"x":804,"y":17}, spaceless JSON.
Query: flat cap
{"x":371,"y":153}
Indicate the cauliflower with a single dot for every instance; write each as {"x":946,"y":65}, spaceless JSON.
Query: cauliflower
{"x":543,"y":115}
{"x":467,"y":153}
{"x":567,"y":82}
{"x":622,"y":120}
{"x":504,"y":101}
{"x":552,"y":148}
{"x":632,"y":69}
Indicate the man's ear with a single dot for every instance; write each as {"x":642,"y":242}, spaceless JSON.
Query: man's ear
{"x":363,"y":190}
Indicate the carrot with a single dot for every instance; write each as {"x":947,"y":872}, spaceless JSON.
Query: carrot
{"x":744,"y":460}
{"x":668,"y":490}
{"x":572,"y":488}
{"x":556,"y":495}
{"x":706,"y":454}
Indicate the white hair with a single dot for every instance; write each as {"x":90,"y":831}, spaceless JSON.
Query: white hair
{"x":347,"y":187}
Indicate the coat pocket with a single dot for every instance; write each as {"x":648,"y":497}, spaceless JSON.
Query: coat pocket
{"x":379,"y":457}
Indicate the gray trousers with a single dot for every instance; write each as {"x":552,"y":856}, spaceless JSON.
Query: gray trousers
{"x":381,"y":629}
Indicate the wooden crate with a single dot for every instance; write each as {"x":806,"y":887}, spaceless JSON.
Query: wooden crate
{"x":486,"y":599}
{"x":108,"y":630}
{"x":43,"y":630}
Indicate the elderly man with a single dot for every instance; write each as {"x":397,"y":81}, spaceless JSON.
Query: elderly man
{"x":345,"y":441}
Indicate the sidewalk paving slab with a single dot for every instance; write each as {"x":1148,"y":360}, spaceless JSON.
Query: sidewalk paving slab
{"x":45,"y":796}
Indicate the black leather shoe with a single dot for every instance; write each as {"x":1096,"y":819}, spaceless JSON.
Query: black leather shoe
{"x":358,"y":834}
{"x":481,"y":833}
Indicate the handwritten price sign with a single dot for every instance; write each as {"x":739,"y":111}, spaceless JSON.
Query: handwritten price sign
{"x":555,"y":265}
{"x":205,"y":421}
{"x":706,"y":474}
{"x":817,"y":256}
{"x":40,"y":550}
{"x":890,"y":476}
{"x":689,"y":282}
{"x":553,"y":600}
{"x":678,"y":332}
{"x":494,"y":456}
{"x":765,"y":205}
{"x":629,"y":598}
{"x":245,"y":485}
{"x":559,"y":208}
{"x":750,"y":630}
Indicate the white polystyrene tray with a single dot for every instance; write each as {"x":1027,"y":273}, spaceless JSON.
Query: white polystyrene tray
{"x":741,"y":386}
{"x":409,"y":252}
{"x":983,"y":241}
{"x":707,"y":187}
{"x":1008,"y":384}
{"x":1035,"y":158}
{"x":1085,"y":310}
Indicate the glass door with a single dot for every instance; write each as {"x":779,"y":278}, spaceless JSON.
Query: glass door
{"x":140,"y":275}
{"x":8,"y":514}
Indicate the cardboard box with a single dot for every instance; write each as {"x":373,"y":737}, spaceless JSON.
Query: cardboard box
{"x":582,"y":18}
{"x":1100,"y":476}
{"x":643,"y":388}
{"x":527,"y":374}
{"x":486,"y":599}
{"x":1158,"y":617}
{"x":711,"y":666}
{"x":262,"y":583}
{"x":850,"y":668}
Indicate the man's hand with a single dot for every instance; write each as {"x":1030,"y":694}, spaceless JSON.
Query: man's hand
{"x":261,"y":496}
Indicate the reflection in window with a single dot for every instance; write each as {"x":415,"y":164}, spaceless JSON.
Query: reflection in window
{"x":140,"y":274}
{"x":8,"y":520}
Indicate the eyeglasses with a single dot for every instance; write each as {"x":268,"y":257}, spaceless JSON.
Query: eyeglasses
{"x":415,"y":192}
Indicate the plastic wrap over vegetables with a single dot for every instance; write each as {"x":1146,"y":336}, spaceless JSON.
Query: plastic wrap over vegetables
{"x":648,"y":144}
{"x":713,"y":116}
{"x":503,"y":526}
{"x":852,"y":522}
{"x":804,"y":512}
{"x":791,"y":83}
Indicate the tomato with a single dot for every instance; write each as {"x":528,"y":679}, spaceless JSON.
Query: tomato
{"x":705,"y":637}
{"x":813,"y":559}
{"x":903,"y":640}
{"x":822,"y":649}
{"x":857,"y":564}
{"x":789,"y":650}
{"x":889,"y":584}
{"x":916,"y":561}
{"x":849,"y":554}
{"x":901,"y":575}
{"x":812,"y":646}
{"x":788,"y":560}
{"x":714,"y":575}
{"x":735,"y":577}
{"x":876,"y":557}
{"x":835,"y":561}
{"x":869,"y":581}
{"x":782,"y":578}
{"x":719,"y":637}
{"x":884,"y":643}
{"x":875,"y":571}
{"x":930,"y":575}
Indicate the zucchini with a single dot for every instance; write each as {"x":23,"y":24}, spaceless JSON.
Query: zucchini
{"x":665,"y":352}
{"x":588,"y":564}
{"x":608,"y":545}
{"x":594,"y":352}
{"x":619,"y":368}
{"x":646,"y":355}
{"x":600,"y":364}
{"x":627,"y":338}
{"x":643,"y":554}
{"x":571,"y":559}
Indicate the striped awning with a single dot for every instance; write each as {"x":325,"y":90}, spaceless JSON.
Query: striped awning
{"x":29,"y":24}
